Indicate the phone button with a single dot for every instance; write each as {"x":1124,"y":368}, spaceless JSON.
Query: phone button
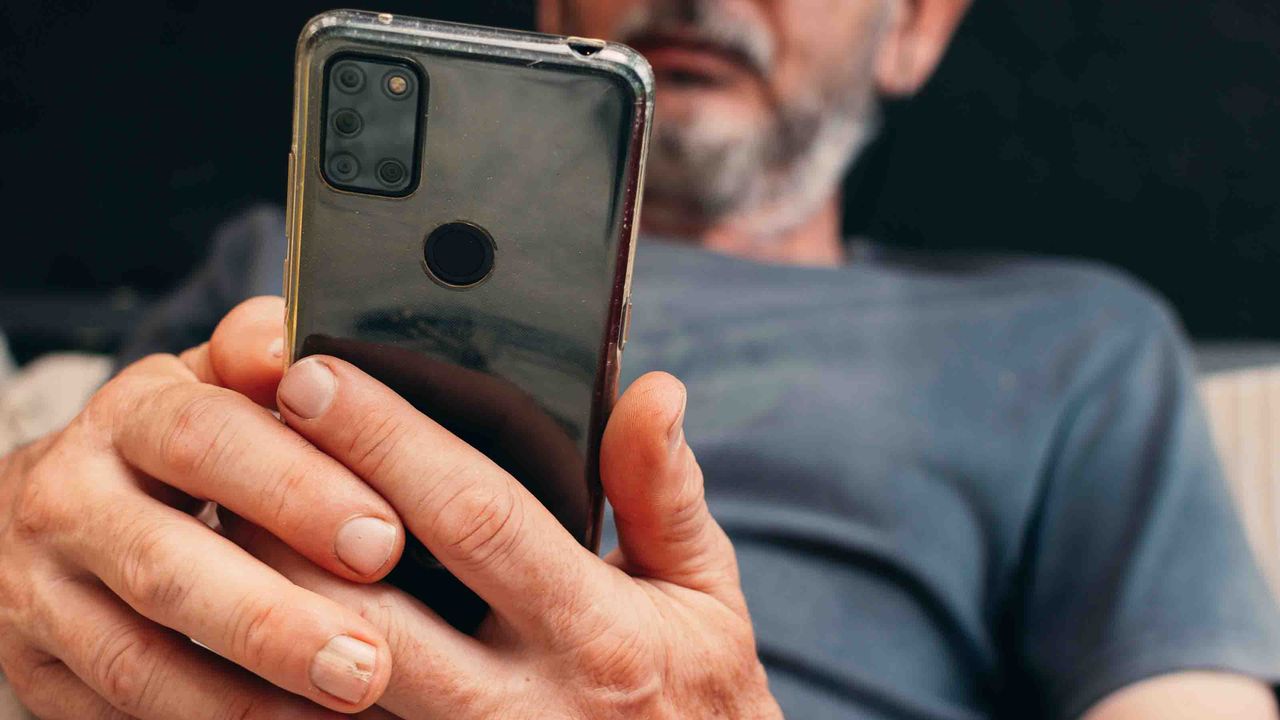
{"x":626,"y":327}
{"x":288,"y":224}
{"x":288,"y":198}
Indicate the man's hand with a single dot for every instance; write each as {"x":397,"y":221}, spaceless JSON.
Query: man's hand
{"x":105,"y":574}
{"x":657,"y":630}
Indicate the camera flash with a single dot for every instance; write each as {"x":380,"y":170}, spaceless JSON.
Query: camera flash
{"x":397,"y":84}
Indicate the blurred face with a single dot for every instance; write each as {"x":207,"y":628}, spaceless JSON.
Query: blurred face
{"x":761,"y":103}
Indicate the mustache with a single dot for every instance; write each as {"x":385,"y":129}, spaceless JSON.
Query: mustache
{"x":702,"y":22}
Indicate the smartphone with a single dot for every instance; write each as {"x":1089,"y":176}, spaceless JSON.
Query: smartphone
{"x":462,"y":215}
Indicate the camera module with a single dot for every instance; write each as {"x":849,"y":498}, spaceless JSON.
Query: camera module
{"x":374,"y":112}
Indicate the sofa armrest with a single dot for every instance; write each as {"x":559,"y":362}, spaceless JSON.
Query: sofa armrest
{"x":1244,"y":414}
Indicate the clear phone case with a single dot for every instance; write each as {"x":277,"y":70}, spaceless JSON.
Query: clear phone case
{"x":540,"y":141}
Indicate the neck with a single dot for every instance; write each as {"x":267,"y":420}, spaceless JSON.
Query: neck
{"x":815,"y":241}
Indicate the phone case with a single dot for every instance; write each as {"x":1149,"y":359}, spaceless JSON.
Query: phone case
{"x":541,"y":141}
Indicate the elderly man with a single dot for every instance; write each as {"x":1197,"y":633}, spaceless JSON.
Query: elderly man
{"x":943,"y":487}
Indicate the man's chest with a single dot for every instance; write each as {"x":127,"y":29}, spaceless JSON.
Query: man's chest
{"x":874,"y":539}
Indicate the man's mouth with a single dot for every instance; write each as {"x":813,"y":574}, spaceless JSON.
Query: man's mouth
{"x":686,"y":59}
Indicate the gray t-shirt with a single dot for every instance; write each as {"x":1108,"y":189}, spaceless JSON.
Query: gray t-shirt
{"x":959,"y":487}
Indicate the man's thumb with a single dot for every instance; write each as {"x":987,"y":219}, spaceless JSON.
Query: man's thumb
{"x":655,"y":486}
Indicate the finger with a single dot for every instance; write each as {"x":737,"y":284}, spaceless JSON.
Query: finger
{"x":150,"y":673}
{"x":653,"y":482}
{"x":214,"y":444}
{"x":55,"y":693}
{"x":246,"y":352}
{"x":197,"y":360}
{"x":480,"y":523}
{"x":439,"y":671}
{"x":376,"y":713}
{"x":517,"y":433}
{"x":173,"y":570}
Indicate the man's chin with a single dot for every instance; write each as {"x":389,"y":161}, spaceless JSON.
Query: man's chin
{"x":735,"y":103}
{"x":674,"y":217}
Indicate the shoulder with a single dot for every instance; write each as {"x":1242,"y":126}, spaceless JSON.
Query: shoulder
{"x":1016,"y":292}
{"x":1096,"y":288}
{"x":1100,"y":301}
{"x":1118,"y":336}
{"x":1070,"y":287}
{"x":1103,"y":303}
{"x":1061,"y":325}
{"x":1107,"y":329}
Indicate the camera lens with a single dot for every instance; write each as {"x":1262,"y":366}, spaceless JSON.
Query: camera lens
{"x":344,"y":167}
{"x":392,"y":172}
{"x":347,"y":122}
{"x":349,"y":77}
{"x":397,"y":84}
{"x":459,"y":254}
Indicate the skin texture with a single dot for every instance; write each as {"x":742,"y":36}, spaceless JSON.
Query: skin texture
{"x":657,"y":630}
{"x":103,"y":571}
{"x":1189,"y":696}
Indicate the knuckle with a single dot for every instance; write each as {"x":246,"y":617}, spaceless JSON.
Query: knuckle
{"x":687,"y":518}
{"x":373,"y":445}
{"x":117,"y":391}
{"x":381,"y":607}
{"x":32,"y":602}
{"x":196,"y":437}
{"x":255,"y":625}
{"x":244,"y":708}
{"x":481,"y":525}
{"x":148,"y":577}
{"x":129,"y":389}
{"x":41,"y":687}
{"x":35,"y":511}
{"x":280,"y":494}
{"x":124,"y":669}
{"x":625,"y":679}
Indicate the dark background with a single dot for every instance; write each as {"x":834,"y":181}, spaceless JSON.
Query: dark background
{"x":1142,"y":133}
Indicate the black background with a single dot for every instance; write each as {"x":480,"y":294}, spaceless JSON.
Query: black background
{"x":1143,"y":133}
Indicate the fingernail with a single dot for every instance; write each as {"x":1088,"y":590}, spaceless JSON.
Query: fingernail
{"x":308,"y":389}
{"x":344,"y":667}
{"x":276,"y":348}
{"x":365,"y":544}
{"x":675,"y":433}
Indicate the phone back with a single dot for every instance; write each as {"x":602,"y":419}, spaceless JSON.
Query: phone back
{"x":539,"y":148}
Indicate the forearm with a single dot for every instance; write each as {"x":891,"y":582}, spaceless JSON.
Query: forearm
{"x":1190,"y":696}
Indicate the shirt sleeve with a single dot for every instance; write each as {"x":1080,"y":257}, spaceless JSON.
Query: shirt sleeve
{"x":246,"y":258}
{"x":1137,"y":563}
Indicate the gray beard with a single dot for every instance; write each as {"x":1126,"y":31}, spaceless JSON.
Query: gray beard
{"x":771,"y":177}
{"x":774,"y":177}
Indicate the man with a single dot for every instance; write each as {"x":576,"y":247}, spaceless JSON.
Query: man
{"x":956,"y":488}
